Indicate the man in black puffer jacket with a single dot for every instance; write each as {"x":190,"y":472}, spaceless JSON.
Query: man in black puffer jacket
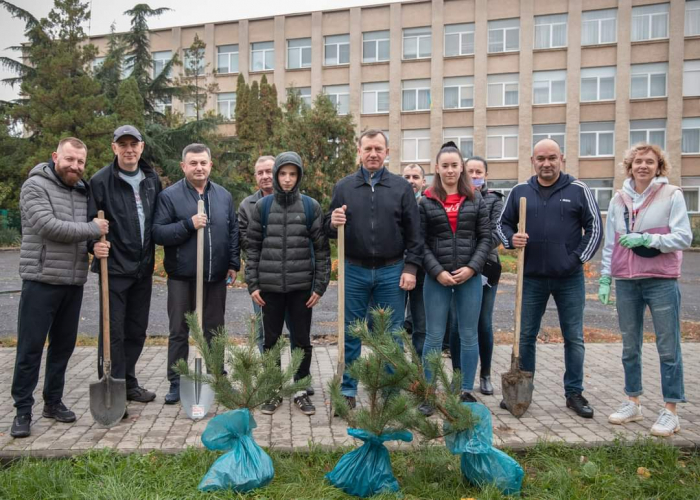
{"x":289,"y":264}
{"x":175,"y":227}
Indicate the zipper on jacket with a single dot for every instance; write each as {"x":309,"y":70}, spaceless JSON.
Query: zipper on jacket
{"x":75,"y":254}
{"x":284,"y":249}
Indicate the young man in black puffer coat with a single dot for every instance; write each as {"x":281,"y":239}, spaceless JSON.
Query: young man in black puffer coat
{"x":289,"y":265}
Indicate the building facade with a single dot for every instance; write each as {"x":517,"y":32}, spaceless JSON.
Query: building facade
{"x":494,"y":76}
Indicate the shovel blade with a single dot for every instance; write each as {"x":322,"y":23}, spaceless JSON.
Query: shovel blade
{"x":108,"y":400}
{"x":196,"y":398}
{"x":517,"y":386}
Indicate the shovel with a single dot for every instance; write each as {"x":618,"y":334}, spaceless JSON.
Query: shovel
{"x":196,"y":396}
{"x":516,"y":384}
{"x":340,"y":369}
{"x":108,"y":395}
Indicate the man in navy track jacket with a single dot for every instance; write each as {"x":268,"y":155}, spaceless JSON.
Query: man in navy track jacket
{"x":564,"y":230}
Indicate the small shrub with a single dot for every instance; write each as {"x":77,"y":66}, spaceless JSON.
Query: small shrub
{"x":10,"y":237}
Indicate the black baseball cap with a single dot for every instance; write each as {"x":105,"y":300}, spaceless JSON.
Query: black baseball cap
{"x":127,"y":130}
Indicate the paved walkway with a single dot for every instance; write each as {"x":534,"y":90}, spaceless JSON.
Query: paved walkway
{"x":157,"y":426}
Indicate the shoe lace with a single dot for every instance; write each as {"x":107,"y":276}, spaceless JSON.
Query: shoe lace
{"x":666,"y":419}
{"x":304,"y":400}
{"x":578,"y":398}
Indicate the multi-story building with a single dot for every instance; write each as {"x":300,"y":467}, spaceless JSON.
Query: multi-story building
{"x":494,"y":76}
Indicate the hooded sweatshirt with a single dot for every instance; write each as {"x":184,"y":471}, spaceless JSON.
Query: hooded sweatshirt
{"x":659,"y":211}
{"x":565,"y":230}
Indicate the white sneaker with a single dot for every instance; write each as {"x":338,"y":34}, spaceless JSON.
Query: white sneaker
{"x":666,"y":424}
{"x":628,"y":412}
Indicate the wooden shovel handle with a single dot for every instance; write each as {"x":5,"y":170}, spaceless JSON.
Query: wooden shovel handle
{"x":341,"y":299}
{"x":519,"y":282}
{"x":104,"y":290}
{"x":200,"y":273}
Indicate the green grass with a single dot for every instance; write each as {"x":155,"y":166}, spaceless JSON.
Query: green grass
{"x":552,"y":472}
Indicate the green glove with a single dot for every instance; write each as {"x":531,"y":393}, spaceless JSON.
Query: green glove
{"x":632,"y":240}
{"x":604,"y":289}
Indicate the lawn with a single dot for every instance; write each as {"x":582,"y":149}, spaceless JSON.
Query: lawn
{"x":646,"y":469}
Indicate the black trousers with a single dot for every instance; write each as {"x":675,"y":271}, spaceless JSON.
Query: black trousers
{"x":293,"y":306}
{"x":52,"y":310}
{"x":129,"y":305}
{"x":182,"y":299}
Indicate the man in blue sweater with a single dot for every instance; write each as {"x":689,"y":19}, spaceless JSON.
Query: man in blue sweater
{"x":564,"y":230}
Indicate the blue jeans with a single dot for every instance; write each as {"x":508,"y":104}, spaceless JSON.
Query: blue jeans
{"x":415,"y":315}
{"x":664,"y":300}
{"x":485,"y":332}
{"x":569,"y":295}
{"x":467,"y":298}
{"x":363,"y":285}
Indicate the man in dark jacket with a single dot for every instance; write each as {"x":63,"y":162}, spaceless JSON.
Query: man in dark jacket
{"x":288,"y":266}
{"x":126,"y":190}
{"x":53,"y":265}
{"x":564,"y":230}
{"x":175,"y":227}
{"x":383,"y":246}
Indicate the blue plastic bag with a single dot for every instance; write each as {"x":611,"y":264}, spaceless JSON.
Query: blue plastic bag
{"x":246,"y":466}
{"x":367,"y":471}
{"x":481,"y":463}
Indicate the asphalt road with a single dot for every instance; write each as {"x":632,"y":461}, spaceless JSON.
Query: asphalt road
{"x":239,"y":308}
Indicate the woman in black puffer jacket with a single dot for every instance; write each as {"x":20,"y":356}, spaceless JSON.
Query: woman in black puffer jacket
{"x":455,"y":226}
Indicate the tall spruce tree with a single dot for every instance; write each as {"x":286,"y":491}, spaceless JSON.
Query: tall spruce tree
{"x":194,"y":88}
{"x":109,"y":73}
{"x":128,"y":105}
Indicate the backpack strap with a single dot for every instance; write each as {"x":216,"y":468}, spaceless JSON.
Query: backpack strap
{"x":265,"y":213}
{"x":308,"y":211}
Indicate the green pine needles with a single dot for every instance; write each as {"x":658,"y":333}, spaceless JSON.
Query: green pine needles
{"x":253,"y":378}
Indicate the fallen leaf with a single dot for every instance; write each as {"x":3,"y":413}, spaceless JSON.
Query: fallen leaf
{"x":583,"y":459}
{"x":643,"y":472}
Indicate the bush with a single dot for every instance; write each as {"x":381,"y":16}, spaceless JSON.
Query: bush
{"x":10,"y":237}
{"x":696,"y":237}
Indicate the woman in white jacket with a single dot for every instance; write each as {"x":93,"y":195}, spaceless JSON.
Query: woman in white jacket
{"x":647,"y":229}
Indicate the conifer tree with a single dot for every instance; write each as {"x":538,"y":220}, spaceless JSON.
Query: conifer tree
{"x":109,"y":73}
{"x":194,"y":87}
{"x":128,"y":105}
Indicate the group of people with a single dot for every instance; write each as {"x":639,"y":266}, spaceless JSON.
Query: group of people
{"x":430,"y":252}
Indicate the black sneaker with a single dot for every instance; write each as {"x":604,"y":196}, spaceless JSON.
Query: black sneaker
{"x":271,"y":406}
{"x":173,"y":395}
{"x":310,"y":391}
{"x":426,"y":409}
{"x":59,"y":412}
{"x":351,"y":401}
{"x":304,"y":404}
{"x":20,"y":426}
{"x":467,"y":397}
{"x":580,"y":405}
{"x":140,"y":395}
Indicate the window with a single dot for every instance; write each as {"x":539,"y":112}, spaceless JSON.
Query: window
{"x":597,"y":139}
{"x":262,"y":56}
{"x":502,"y":186}
{"x":598,"y":84}
{"x":417,"y":43}
{"x":602,"y":189}
{"x":690,"y":141}
{"x":339,"y":96}
{"x":463,"y":137}
{"x":459,"y":39}
{"x":336,"y":50}
{"x":503,"y":90}
{"x":549,"y":87}
{"x":415,"y":95}
{"x":556,"y":132}
{"x":504,"y":35}
{"x":97,"y":63}
{"x":692,"y":17}
{"x":459,"y":92}
{"x":160,"y":60}
{"x":502,"y":143}
{"x":227,"y":59}
{"x":691,"y":78}
{"x":375,"y":97}
{"x":599,"y":27}
{"x":226,"y":105}
{"x":648,"y":80}
{"x":691,"y":190}
{"x":304,"y":94}
{"x":415,"y":145}
{"x":651,"y":131}
{"x":190,"y":110}
{"x":375,"y":46}
{"x":299,"y":53}
{"x":164,"y":105}
{"x":194,"y":62}
{"x":550,"y":31}
{"x":650,"y":22}
{"x":128,"y":67}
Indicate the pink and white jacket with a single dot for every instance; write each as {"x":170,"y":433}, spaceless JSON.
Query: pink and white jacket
{"x":662,"y":213}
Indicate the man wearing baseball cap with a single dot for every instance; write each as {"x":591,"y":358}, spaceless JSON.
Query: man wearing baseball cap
{"x":126,"y":190}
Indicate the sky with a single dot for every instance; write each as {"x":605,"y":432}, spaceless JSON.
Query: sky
{"x":184,"y":12}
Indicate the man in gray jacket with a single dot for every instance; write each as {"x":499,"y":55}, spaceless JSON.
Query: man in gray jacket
{"x":53,"y":266}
